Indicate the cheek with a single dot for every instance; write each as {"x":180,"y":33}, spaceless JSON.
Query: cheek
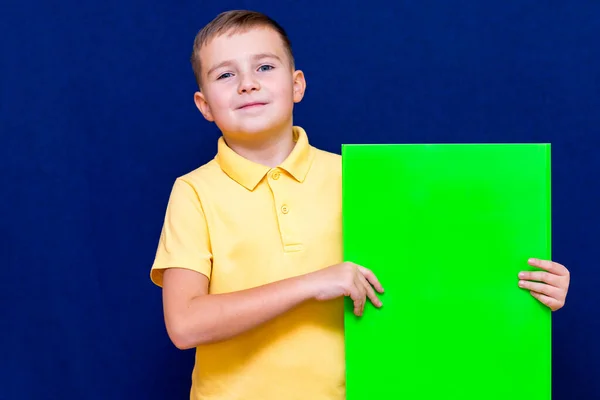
{"x":283,"y":91}
{"x":219,"y":104}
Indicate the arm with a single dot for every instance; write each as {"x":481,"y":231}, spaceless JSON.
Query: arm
{"x":193,"y":317}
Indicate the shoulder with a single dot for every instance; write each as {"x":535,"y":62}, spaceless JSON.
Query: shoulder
{"x":208,"y":174}
{"x":331,"y":162}
{"x":207,"y":171}
{"x":193,"y":184}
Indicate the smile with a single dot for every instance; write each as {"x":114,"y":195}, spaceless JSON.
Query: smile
{"x":250,"y":106}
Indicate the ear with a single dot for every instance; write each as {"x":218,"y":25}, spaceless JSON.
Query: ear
{"x":299,"y":86}
{"x":203,"y":106}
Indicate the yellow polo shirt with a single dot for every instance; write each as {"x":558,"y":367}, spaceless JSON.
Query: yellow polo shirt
{"x":243,"y":225}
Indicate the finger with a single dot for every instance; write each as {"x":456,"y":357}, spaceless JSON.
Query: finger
{"x":370,"y":276}
{"x":363,"y":294}
{"x":371,"y":293}
{"x":541,"y":288}
{"x":541,"y":276}
{"x":550,"y":302}
{"x":357,"y":306}
{"x":358,"y":298}
{"x":550,"y":266}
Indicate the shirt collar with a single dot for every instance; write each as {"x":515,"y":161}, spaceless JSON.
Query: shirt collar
{"x":249,"y":173}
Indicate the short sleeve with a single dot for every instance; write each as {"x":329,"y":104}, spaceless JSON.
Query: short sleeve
{"x":184,"y":241}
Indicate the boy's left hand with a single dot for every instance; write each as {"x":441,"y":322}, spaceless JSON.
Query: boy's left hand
{"x":550,"y":286}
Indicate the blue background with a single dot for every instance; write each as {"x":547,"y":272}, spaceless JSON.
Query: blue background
{"x":97,"y":119}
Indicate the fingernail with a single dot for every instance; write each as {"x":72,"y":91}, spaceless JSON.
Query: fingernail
{"x":521,"y":283}
{"x":521,"y":275}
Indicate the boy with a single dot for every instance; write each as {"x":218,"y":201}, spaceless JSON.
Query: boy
{"x":250,"y":254}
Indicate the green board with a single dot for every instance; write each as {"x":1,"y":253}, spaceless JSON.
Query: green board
{"x":447,"y":228}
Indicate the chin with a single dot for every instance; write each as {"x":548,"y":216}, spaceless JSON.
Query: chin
{"x":256,"y":127}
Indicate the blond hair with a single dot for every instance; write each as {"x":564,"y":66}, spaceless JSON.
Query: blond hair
{"x":231,"y":22}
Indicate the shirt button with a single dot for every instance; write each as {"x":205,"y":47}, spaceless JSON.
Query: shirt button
{"x":275,"y":175}
{"x":285,"y":209}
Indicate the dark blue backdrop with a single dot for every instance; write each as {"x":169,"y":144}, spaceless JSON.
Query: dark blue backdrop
{"x":97,"y":119}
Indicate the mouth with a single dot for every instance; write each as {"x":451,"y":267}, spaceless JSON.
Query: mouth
{"x":254,"y":104}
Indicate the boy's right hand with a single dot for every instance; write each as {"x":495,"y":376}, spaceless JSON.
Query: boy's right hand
{"x":347,"y":279}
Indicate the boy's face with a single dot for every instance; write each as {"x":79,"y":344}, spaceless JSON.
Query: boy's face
{"x":248,"y":85}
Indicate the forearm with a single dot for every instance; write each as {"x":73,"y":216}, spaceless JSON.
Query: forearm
{"x":212,"y":318}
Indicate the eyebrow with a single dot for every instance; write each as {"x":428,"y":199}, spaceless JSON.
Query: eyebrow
{"x":255,"y":57}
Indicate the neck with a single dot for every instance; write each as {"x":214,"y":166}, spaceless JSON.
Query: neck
{"x":269,"y":149}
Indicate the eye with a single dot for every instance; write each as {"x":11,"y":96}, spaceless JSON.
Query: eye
{"x":225,"y":75}
{"x":265,"y":67}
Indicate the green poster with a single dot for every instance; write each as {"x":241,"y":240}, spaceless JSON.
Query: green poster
{"x":446,"y":228}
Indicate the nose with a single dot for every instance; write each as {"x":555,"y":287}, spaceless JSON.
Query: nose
{"x":248,"y":84}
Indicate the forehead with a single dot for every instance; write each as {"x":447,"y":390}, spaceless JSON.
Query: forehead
{"x":232,"y":46}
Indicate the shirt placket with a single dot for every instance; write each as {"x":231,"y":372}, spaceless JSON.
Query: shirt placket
{"x":279,"y":184}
